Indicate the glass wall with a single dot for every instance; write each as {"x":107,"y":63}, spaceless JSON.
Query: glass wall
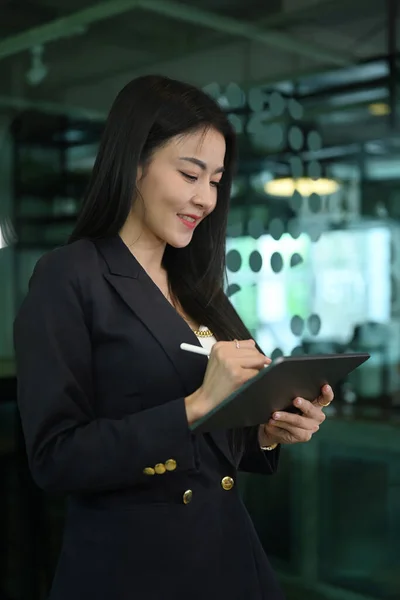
{"x":312,"y":256}
{"x":313,"y":249}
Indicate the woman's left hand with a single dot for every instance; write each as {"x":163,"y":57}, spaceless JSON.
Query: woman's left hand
{"x":289,"y":428}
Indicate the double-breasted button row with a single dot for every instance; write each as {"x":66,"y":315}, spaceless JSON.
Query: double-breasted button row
{"x":227,"y":484}
{"x":161,"y":468}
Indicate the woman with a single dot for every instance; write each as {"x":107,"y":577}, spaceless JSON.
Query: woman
{"x":106,"y":395}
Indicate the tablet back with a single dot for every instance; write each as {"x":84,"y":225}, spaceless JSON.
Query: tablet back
{"x":276,"y":386}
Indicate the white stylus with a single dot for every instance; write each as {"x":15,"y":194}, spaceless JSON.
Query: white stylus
{"x":194,"y":349}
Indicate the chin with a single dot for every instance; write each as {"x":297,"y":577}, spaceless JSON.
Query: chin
{"x":175,"y":243}
{"x":179,"y":239}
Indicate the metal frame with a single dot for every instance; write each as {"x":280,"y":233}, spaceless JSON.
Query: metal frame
{"x":78,"y":22}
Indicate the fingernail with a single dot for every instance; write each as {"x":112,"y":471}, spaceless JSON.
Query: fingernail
{"x":277,"y":415}
{"x":298,"y":401}
{"x":327,"y":389}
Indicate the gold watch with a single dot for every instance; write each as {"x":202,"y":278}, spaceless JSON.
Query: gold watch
{"x":271,"y":447}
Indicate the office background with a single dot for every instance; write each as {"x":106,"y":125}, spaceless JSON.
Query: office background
{"x":313,"y":248}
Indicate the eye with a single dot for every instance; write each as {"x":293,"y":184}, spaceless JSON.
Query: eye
{"x":193,"y":178}
{"x":189,"y":177}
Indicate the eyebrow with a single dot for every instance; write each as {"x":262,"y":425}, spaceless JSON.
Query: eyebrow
{"x":200,"y":163}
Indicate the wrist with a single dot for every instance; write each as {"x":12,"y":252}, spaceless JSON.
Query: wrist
{"x":265,"y":441}
{"x":196,"y":406}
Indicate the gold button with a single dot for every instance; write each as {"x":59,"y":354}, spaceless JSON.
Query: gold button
{"x":187,"y":496}
{"x":170,"y":464}
{"x":227,"y":483}
{"x":149,"y":471}
{"x":160,"y":469}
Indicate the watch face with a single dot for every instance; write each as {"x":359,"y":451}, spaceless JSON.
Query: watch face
{"x":272,"y":447}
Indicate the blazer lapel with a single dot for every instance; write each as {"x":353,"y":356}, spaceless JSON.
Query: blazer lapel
{"x":148,"y":303}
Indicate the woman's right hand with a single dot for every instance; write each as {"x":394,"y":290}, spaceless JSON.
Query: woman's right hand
{"x":228,"y":368}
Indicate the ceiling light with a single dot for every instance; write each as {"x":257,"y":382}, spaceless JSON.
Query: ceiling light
{"x":304,"y":185}
{"x":379,"y":109}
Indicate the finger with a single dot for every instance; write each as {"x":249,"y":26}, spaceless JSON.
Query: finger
{"x":288,"y":421}
{"x":325,"y":397}
{"x":239,"y":353}
{"x":249,"y":355}
{"x":289,"y":434}
{"x":251,"y":361}
{"x":245,"y":348}
{"x":243,"y":344}
{"x":223,"y":350}
{"x":247,"y":352}
{"x":222,"y":346}
{"x":309,"y":409}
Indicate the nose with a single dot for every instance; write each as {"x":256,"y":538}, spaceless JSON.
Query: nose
{"x":205,"y":200}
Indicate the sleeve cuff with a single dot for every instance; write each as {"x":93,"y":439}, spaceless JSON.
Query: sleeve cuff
{"x":171,"y":445}
{"x":256,"y":460}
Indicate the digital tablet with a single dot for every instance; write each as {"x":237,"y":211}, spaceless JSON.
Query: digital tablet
{"x":276,"y":386}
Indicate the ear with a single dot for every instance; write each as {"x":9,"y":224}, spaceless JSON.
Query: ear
{"x":139,"y":174}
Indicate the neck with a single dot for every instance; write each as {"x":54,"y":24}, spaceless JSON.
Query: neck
{"x":145,"y":247}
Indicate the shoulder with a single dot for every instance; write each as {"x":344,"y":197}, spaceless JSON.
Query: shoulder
{"x":65,"y":272}
{"x":60,"y":280}
{"x":69,"y":263}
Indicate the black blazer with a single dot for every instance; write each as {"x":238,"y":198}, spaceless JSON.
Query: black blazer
{"x":154,"y":512}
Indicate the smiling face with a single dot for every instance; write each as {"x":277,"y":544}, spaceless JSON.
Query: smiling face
{"x":178,"y":188}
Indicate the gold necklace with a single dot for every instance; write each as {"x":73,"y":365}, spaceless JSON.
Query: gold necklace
{"x":203,"y":333}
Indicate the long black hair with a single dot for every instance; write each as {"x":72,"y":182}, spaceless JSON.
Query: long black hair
{"x":146,"y":114}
